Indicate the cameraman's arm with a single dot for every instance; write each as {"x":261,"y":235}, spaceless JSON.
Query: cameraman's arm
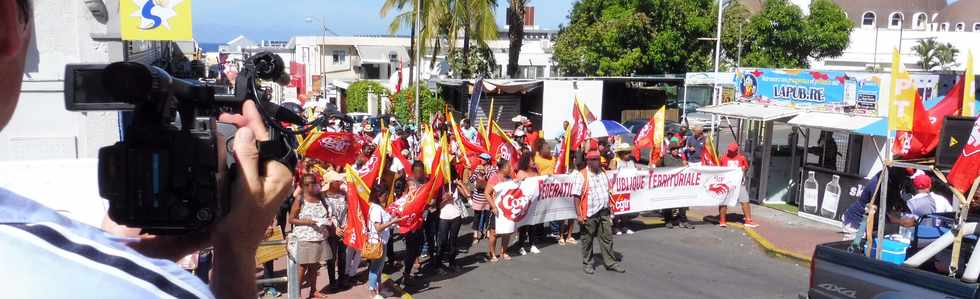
{"x":255,"y":201}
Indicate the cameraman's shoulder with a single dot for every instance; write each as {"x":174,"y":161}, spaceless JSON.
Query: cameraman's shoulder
{"x":34,"y":232}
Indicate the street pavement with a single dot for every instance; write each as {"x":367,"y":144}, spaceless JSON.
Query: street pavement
{"x":707,"y":262}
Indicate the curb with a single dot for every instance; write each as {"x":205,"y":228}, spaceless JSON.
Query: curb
{"x":759,"y":239}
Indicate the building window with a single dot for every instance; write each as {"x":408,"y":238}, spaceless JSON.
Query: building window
{"x":868,"y":20}
{"x":960,"y":27}
{"x":920,"y":21}
{"x":895,"y":20}
{"x":944,"y":27}
{"x":339,"y":57}
{"x":976,"y":27}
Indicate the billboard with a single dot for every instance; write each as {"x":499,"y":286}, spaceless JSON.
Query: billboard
{"x":832,"y":91}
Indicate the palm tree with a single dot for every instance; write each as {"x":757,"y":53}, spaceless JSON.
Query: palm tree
{"x":926,"y":49}
{"x":946,"y":55}
{"x":406,"y":17}
{"x":515,"y":19}
{"x":477,"y":21}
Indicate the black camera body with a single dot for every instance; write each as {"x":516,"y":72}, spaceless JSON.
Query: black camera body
{"x":164,"y":176}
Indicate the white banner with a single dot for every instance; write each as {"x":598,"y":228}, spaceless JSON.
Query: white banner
{"x":550,"y":198}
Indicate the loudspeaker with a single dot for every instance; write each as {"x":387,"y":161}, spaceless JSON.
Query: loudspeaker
{"x":954,"y":134}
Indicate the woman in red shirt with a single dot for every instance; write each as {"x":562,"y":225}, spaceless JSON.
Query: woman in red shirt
{"x":734,"y":158}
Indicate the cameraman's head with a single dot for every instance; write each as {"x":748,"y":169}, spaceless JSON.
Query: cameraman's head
{"x":15,"y":35}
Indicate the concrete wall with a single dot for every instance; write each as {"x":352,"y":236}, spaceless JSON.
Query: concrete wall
{"x":558,"y":98}
{"x":41,"y":128}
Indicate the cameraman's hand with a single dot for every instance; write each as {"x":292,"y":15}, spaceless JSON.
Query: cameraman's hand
{"x":254,"y":201}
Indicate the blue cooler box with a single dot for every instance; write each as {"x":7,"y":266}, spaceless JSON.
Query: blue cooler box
{"x":892,"y":251}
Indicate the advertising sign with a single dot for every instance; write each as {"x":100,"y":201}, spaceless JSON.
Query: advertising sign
{"x":155,"y":20}
{"x":833,"y":91}
{"x":827,"y":195}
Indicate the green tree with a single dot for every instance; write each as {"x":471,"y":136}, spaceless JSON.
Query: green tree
{"x":628,"y":37}
{"x":782,"y":38}
{"x":926,"y":50}
{"x":403,"y":104}
{"x":476,"y":19}
{"x":478,"y":64}
{"x":357,"y":94}
{"x":946,"y":56}
{"x":734,"y":33}
{"x":406,"y":17}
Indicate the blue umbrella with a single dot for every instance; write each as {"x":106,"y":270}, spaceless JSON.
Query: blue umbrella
{"x":605,"y":128}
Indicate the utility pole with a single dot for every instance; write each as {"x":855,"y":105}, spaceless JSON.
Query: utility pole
{"x":418,"y":60}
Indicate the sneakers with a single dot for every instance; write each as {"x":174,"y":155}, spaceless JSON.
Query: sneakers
{"x":619,"y":232}
{"x":629,"y":231}
{"x":616,"y":268}
{"x":588,"y":269}
{"x":749,"y":223}
{"x":722,"y":224}
{"x":534,"y":249}
{"x":523,"y":252}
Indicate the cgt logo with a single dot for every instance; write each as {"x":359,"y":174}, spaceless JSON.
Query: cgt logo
{"x":718,"y":188}
{"x":514,"y":204}
{"x":155,"y":13}
{"x":838,"y":289}
{"x":621,"y":202}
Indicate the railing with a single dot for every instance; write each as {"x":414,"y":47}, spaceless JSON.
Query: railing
{"x":292,"y":269}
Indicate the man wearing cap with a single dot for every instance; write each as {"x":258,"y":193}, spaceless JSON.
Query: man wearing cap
{"x":734,"y":158}
{"x":593,"y":191}
{"x":924,"y":202}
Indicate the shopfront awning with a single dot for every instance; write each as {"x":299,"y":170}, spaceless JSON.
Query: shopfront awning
{"x":750,"y":111}
{"x":837,"y":122}
{"x":381,"y":54}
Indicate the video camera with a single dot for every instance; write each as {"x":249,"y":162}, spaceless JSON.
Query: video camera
{"x":163,"y":176}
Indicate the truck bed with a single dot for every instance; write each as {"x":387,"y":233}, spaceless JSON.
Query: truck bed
{"x":837,"y":273}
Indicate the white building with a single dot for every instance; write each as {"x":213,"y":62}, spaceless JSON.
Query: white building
{"x":883,"y":25}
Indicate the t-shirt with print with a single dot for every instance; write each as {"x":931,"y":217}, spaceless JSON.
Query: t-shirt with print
{"x":737,"y":161}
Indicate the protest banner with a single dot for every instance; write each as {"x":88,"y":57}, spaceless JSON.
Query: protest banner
{"x":549,"y":198}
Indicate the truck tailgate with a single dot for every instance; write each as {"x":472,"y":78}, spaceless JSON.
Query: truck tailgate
{"x":838,"y":273}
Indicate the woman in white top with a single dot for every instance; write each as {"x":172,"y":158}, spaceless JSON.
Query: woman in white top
{"x":380,"y":232}
{"x":451,"y":215}
{"x":310,"y":220}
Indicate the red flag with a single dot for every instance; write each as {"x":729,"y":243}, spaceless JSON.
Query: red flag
{"x":502,"y":147}
{"x":337,"y":148}
{"x":375,"y":164}
{"x":967,"y":166}
{"x":950,"y":105}
{"x":581,"y":117}
{"x":358,"y":211}
{"x":645,"y":137}
{"x":396,"y":151}
{"x":415,"y":206}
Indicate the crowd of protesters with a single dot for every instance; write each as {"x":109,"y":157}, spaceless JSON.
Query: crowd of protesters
{"x":317,"y":209}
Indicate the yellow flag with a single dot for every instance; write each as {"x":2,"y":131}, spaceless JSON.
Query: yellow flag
{"x":658,"y":132}
{"x":444,"y":160}
{"x":362,"y":189}
{"x":155,"y":20}
{"x":901,"y":96}
{"x":969,"y":86}
{"x":428,"y":149}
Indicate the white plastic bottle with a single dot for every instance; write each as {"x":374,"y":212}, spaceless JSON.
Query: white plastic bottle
{"x":831,"y":196}
{"x":810,"y":194}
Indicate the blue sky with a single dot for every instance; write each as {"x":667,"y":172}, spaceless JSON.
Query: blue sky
{"x":220,"y":21}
